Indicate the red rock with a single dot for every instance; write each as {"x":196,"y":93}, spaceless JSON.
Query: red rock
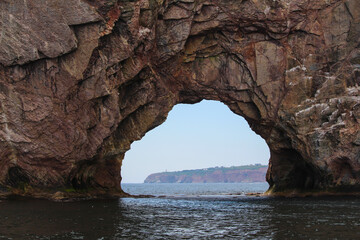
{"x":81,"y":80}
{"x":212,"y":175}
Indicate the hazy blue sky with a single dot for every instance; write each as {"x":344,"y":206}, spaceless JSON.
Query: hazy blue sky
{"x":194,"y":136}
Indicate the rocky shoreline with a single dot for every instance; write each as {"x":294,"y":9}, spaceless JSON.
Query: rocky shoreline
{"x":248,"y":173}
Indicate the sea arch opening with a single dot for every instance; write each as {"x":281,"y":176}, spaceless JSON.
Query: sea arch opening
{"x":228,"y":79}
{"x":145,"y":101}
{"x":198,"y":136}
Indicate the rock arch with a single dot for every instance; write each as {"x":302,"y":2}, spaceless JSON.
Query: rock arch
{"x":79,"y":85}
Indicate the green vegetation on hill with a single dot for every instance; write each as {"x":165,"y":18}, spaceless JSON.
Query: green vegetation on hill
{"x":210,"y":170}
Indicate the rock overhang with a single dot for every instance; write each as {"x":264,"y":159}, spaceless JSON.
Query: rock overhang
{"x":79,"y":84}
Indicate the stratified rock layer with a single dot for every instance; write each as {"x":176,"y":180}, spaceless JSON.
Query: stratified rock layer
{"x":81,"y":80}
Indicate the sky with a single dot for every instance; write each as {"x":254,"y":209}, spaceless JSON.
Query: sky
{"x":194,"y":136}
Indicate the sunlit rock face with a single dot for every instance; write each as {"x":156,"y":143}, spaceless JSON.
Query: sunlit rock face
{"x":81,"y":80}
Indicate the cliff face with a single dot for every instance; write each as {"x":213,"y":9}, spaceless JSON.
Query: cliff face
{"x":81,"y":80}
{"x":211,"y":175}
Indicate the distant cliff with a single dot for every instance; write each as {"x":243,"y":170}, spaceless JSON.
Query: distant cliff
{"x":248,"y":173}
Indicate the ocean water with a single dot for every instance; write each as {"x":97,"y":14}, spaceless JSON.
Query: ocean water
{"x":184,"y":211}
{"x":181,"y":190}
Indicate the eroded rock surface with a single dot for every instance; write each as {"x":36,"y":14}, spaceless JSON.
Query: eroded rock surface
{"x":81,"y":80}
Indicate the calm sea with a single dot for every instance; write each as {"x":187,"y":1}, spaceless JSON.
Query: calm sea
{"x":184,"y":211}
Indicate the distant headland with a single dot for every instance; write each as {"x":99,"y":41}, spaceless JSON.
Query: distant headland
{"x":247,"y":173}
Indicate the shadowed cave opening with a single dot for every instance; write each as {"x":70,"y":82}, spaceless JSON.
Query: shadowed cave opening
{"x":196,"y":136}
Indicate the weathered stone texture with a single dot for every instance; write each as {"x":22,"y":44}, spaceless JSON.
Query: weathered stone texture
{"x":81,"y":80}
